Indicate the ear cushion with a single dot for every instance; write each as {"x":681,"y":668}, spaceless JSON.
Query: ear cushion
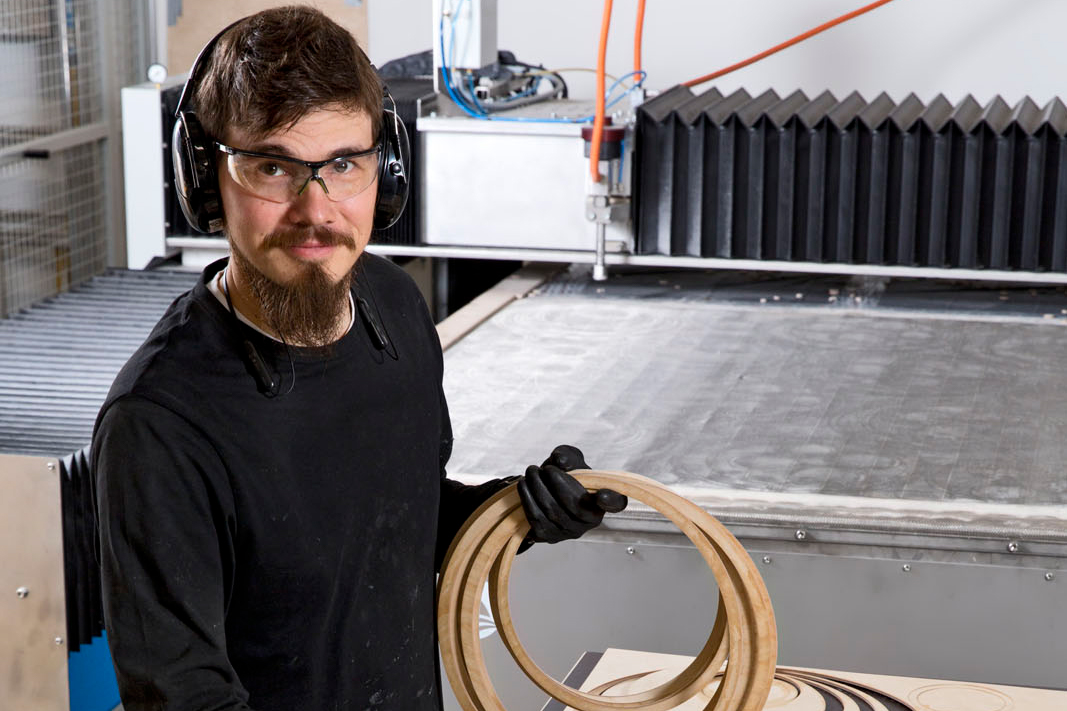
{"x":393,"y":180}
{"x":196,"y":174}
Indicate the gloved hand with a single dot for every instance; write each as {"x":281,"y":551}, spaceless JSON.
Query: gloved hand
{"x":556,"y":505}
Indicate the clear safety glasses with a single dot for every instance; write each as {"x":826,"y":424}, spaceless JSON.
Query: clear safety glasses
{"x":281,"y":178}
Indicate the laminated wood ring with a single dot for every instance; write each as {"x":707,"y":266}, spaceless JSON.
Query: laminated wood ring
{"x":743,"y":636}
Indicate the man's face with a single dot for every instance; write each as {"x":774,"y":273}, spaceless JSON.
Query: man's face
{"x":283,"y":241}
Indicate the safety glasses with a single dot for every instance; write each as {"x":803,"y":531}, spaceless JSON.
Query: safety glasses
{"x":281,"y":178}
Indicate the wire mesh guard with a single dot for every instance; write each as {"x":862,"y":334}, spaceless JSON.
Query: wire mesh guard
{"x":51,"y":68}
{"x":60,"y":74}
{"x":52,"y":224}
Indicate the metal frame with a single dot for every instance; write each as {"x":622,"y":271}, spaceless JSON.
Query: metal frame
{"x":218,"y":247}
{"x":114,"y":217}
{"x":903,"y":610}
{"x":63,"y":140}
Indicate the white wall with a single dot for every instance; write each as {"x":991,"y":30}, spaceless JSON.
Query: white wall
{"x":983,"y":47}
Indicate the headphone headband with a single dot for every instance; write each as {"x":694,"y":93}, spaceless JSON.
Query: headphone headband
{"x":199,"y":62}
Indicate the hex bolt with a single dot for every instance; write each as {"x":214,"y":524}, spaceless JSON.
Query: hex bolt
{"x":801,"y":534}
{"x":766,"y":560}
{"x":58,"y":641}
{"x":629,"y":550}
{"x":22,"y":593}
{"x":906,"y":568}
{"x":51,"y":466}
{"x":1050,"y":577}
{"x":1013,"y":547}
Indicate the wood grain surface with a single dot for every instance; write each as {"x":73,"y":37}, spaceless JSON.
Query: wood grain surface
{"x":622,"y":672}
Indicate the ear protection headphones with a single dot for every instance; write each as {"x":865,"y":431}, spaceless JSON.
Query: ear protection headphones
{"x":196,"y":169}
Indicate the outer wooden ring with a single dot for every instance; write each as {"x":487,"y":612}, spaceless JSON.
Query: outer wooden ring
{"x":485,"y":548}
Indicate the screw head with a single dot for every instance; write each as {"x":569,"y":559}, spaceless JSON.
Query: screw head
{"x":629,"y":550}
{"x":1013,"y":547}
{"x":766,"y":560}
{"x":58,"y":641}
{"x":22,"y":593}
{"x":906,"y":568}
{"x":1050,"y":577}
{"x":801,"y":534}
{"x":51,"y":466}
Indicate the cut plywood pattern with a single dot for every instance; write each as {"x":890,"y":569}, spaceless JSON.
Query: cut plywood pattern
{"x":620,"y":672}
{"x":202,"y":19}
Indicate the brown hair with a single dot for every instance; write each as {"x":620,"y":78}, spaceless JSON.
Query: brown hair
{"x":273,"y":68}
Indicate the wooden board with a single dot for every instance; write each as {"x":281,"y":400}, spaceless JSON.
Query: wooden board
{"x":202,"y":19}
{"x":33,"y":648}
{"x":622,"y":672}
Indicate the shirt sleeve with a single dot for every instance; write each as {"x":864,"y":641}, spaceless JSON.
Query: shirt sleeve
{"x":166,"y":545}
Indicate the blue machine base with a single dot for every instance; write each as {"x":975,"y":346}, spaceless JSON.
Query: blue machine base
{"x":92,"y":677}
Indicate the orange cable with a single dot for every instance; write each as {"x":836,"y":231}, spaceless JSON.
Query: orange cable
{"x":788,"y":43}
{"x":598,"y":120}
{"x":637,"y":35}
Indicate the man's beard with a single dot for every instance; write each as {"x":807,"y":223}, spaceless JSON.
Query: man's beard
{"x":308,"y":309}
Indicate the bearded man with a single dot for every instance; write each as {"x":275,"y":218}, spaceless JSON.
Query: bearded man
{"x":271,"y":492}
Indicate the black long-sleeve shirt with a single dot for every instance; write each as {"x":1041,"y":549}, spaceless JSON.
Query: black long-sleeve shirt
{"x":278,"y":553}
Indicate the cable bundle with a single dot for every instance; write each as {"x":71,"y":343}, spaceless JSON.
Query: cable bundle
{"x":485,"y":548}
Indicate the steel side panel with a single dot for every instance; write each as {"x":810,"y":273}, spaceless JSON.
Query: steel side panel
{"x":506,"y":190}
{"x":143,"y":170}
{"x":33,"y":667}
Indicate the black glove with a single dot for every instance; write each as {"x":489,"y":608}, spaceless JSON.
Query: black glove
{"x":556,"y":505}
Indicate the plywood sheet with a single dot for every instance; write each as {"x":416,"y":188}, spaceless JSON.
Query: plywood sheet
{"x":33,"y":655}
{"x":621,"y":672}
{"x":200,"y":20}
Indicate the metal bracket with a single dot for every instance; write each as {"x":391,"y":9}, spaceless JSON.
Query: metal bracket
{"x":602,"y":210}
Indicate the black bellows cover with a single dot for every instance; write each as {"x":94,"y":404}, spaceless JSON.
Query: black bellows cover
{"x":851,"y":181}
{"x":81,"y":560}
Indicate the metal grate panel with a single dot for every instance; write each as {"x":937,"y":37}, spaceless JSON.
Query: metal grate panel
{"x":851,"y":181}
{"x":58,"y":357}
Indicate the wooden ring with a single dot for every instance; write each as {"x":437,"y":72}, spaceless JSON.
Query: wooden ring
{"x":484,"y":550}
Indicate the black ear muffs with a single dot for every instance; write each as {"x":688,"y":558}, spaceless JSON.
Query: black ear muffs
{"x":192,"y":151}
{"x":394,"y":183}
{"x":196,"y":175}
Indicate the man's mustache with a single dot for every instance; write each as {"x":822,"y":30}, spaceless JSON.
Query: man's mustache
{"x":282,"y":239}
